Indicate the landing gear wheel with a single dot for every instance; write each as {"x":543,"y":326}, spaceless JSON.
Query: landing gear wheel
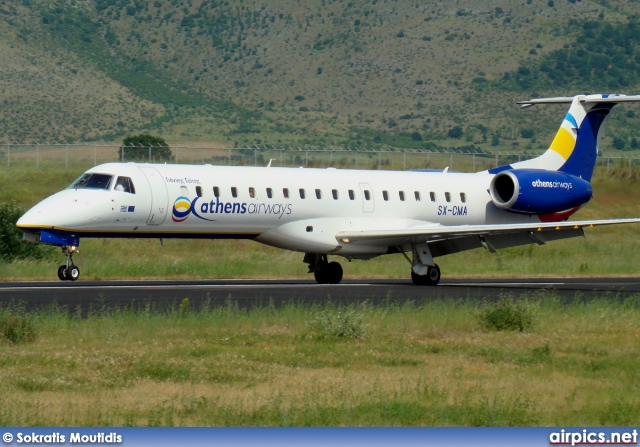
{"x":72,"y":273}
{"x":334,"y":272}
{"x":324,"y":271}
{"x":320,"y":273}
{"x":432,"y":277}
{"x":328,"y":273}
{"x":62,"y":273}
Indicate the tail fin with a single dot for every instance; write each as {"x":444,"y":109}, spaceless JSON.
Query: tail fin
{"x":575,"y":147}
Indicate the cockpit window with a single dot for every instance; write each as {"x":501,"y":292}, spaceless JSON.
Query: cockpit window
{"x":92,"y":181}
{"x":125,"y":184}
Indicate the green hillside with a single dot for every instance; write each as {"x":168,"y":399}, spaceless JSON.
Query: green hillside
{"x":360,"y":72}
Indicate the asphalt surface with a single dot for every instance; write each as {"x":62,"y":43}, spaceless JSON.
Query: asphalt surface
{"x":85,"y":296}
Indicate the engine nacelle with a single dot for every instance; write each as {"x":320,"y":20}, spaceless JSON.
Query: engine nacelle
{"x":536,"y":191}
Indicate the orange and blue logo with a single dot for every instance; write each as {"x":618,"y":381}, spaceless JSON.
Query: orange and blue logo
{"x":183,"y":207}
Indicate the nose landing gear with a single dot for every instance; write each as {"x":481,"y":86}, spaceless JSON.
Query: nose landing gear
{"x":69,"y":271}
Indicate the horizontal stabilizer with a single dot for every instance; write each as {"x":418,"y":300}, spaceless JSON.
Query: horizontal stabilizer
{"x":586,"y":99}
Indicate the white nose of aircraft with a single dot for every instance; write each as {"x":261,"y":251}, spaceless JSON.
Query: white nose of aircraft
{"x":64,"y":210}
{"x":46,"y":214}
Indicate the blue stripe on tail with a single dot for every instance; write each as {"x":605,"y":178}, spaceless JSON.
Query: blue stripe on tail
{"x":582,"y":160}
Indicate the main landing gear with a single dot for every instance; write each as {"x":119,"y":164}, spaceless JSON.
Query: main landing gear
{"x":424,"y":272}
{"x":69,"y":271}
{"x":324,"y":271}
{"x":432,"y":278}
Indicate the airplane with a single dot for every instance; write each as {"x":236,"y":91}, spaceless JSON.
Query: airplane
{"x":356,"y":214}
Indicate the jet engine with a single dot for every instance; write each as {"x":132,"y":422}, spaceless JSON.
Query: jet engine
{"x":537,"y":191}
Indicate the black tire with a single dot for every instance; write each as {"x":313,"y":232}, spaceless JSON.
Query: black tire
{"x":432,"y":278}
{"x":62,"y":272}
{"x":433,"y":275}
{"x":72,"y":273}
{"x":418,"y":280}
{"x":334,"y":271}
{"x":321,"y":273}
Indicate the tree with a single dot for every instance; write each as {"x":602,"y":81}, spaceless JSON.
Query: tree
{"x":415,"y":136}
{"x":144,"y":147}
{"x":526,"y":133}
{"x":618,"y":143}
{"x":455,"y":132}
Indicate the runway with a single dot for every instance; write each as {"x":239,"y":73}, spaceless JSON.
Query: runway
{"x":248,"y":293}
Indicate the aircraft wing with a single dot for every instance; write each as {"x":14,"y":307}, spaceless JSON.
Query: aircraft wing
{"x":444,"y":239}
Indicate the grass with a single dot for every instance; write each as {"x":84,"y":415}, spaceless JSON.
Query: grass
{"x":410,"y":365}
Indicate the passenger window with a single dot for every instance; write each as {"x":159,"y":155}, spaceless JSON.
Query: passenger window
{"x":463,"y":197}
{"x":352,"y":195}
{"x":318,"y":194}
{"x":199,"y":191}
{"x":302,"y":193}
{"x":417,"y":194}
{"x":432,"y":195}
{"x":234,"y":191}
{"x":385,"y":195}
{"x":252,"y":192}
{"x":216,"y":191}
{"x":285,"y":192}
{"x":334,"y":193}
{"x":125,"y":184}
{"x":447,"y":196}
{"x":367,"y":194}
{"x":184,"y":191}
{"x":270,"y":193}
{"x":401,"y":194}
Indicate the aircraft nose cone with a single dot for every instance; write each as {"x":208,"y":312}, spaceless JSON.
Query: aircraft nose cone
{"x":33,"y":219}
{"x":51,"y":212}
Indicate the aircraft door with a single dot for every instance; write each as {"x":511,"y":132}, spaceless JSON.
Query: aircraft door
{"x":368,"y":203}
{"x":159,"y":195}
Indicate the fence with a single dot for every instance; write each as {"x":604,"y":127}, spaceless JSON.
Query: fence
{"x":85,"y":155}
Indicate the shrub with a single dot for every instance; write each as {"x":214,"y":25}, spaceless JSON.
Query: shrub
{"x":16,"y":326}
{"x":338,"y":323}
{"x":12,"y":246}
{"x":507,"y":315}
{"x":183,"y":308}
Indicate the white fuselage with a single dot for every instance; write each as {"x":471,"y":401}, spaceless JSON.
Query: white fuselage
{"x":292,"y":208}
